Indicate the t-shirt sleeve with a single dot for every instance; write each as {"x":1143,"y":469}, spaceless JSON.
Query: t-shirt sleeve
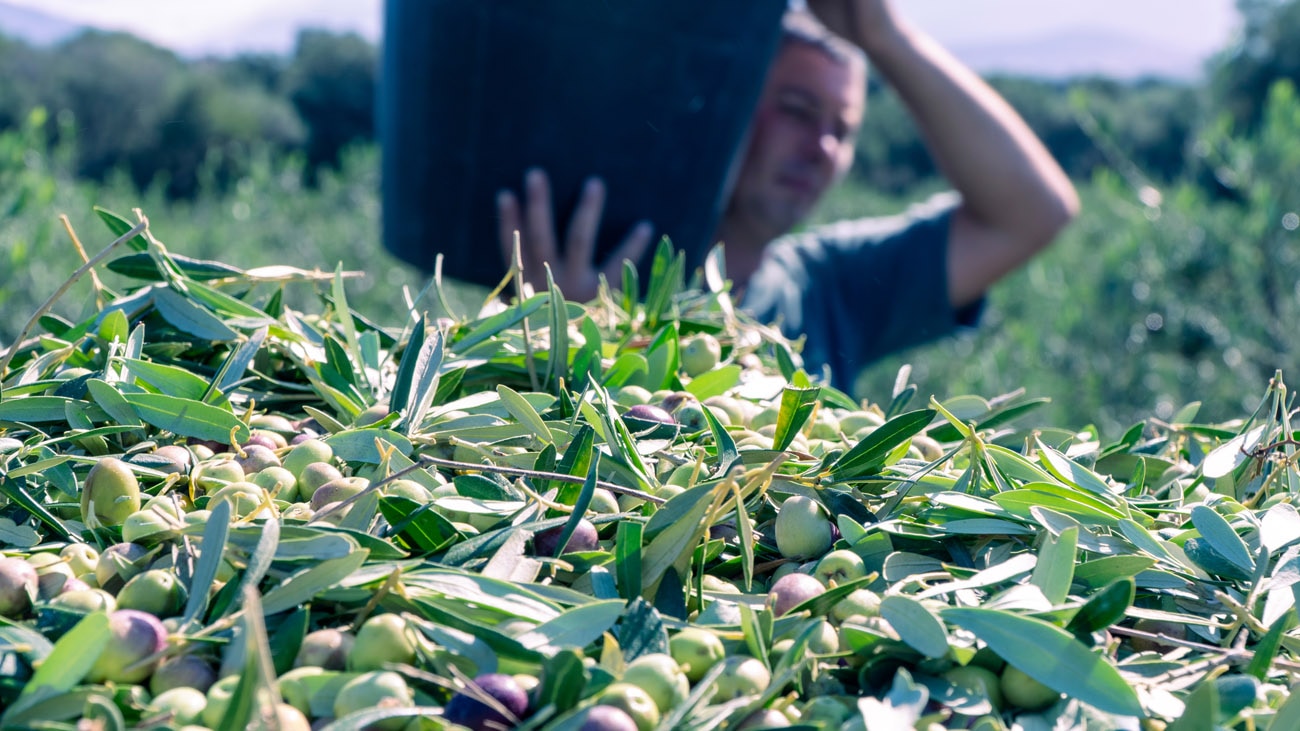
{"x":859,"y":290}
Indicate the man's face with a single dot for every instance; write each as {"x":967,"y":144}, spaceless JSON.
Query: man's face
{"x":802,"y":138}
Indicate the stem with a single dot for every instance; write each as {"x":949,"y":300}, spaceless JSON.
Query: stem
{"x":520,"y":472}
{"x":81,"y":251}
{"x":44,"y":308}
{"x":528,"y":338}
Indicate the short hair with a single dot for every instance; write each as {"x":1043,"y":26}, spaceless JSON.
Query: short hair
{"x":800,"y":26}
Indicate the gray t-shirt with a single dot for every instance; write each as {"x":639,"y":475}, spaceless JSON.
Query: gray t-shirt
{"x":861,"y":289}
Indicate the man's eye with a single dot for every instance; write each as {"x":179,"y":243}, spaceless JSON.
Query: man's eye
{"x":798,"y":111}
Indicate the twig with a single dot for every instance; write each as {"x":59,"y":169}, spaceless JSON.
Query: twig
{"x":81,"y":251}
{"x":557,"y":476}
{"x":44,"y":308}
{"x":528,"y":338}
{"x":1231,"y":655}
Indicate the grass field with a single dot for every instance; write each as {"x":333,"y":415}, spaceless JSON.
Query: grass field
{"x":1137,"y":309}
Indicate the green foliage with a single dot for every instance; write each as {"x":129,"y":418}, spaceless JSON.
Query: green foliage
{"x":134,"y":108}
{"x":1264,"y":53}
{"x":1151,"y":300}
{"x":332,"y":82}
{"x":268,"y":217}
{"x":1152,"y":120}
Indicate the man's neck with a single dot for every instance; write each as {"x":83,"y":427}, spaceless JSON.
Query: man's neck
{"x":744,"y":252}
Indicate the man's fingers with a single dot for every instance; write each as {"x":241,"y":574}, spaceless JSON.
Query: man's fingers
{"x":539,"y":234}
{"x":632,"y":248}
{"x":580,"y":249}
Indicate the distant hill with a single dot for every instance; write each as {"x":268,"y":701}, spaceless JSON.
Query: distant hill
{"x":1083,"y":52}
{"x":34,"y":26}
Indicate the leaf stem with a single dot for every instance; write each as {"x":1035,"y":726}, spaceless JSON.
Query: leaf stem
{"x":520,"y":472}
{"x":81,"y":271}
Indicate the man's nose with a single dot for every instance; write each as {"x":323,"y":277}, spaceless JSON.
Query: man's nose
{"x":821,"y":148}
{"x":829,"y":145}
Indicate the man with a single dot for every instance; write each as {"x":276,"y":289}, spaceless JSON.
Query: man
{"x":858,"y":289}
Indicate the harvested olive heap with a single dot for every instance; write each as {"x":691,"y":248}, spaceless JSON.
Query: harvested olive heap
{"x":219,"y":511}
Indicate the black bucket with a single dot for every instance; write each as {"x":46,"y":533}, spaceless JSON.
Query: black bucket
{"x":654,"y":96}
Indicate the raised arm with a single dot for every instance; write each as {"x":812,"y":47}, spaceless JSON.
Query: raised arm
{"x":1015,"y":198}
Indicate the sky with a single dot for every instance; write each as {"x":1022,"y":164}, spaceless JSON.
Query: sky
{"x":234,"y":25}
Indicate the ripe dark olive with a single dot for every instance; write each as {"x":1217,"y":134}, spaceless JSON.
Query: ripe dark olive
{"x":18,"y":586}
{"x":584,"y":538}
{"x":791,"y":590}
{"x":134,"y":637}
{"x":607,"y":718}
{"x":468,"y":711}
{"x":183,"y":671}
{"x":650,"y":421}
{"x":325,"y":648}
{"x":261,"y":440}
{"x":257,"y":458}
{"x":678,"y":399}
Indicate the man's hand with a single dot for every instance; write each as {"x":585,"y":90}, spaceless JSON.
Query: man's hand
{"x":576,"y":272}
{"x":854,"y":20}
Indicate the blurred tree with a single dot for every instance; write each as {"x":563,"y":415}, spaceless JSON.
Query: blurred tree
{"x":263,"y":70}
{"x":332,"y":82}
{"x":1267,"y":50}
{"x":1087,"y":124}
{"x":20,"y":66}
{"x":120,"y":91}
{"x":213,"y":129}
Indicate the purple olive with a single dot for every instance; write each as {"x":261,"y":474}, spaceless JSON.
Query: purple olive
{"x":791,"y":590}
{"x":678,"y":399}
{"x":584,"y":538}
{"x":184,"y":671}
{"x":18,"y":586}
{"x":466,"y":709}
{"x":170,"y":458}
{"x":649,"y":420}
{"x":258,"y":440}
{"x":607,"y":718}
{"x":134,"y":636}
{"x":325,"y":648}
{"x":257,"y":458}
